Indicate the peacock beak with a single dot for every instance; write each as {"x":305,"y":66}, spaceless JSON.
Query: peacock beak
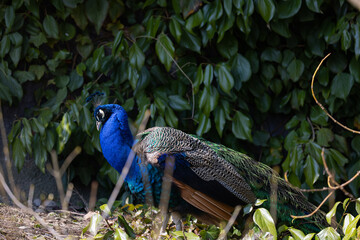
{"x":98,"y":124}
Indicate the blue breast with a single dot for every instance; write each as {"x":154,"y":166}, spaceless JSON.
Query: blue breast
{"x":116,"y":147}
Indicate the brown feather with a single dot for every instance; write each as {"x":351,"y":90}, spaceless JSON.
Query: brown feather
{"x":203,"y":202}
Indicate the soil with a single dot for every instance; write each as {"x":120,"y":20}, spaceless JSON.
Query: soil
{"x":17,"y":224}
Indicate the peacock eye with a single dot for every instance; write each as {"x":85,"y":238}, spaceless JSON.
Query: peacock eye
{"x":100,"y":115}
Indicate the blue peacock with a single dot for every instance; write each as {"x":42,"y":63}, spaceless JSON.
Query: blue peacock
{"x":209,"y":179}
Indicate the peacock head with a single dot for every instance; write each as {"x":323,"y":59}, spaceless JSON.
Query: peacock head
{"x":103,"y":112}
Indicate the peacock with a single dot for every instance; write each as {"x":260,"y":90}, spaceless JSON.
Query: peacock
{"x":208,"y":180}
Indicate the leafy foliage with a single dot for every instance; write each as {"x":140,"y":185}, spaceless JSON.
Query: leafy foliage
{"x":233,"y":71}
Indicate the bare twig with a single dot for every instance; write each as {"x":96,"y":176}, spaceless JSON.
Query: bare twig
{"x":230,"y":222}
{"x":31,"y":195}
{"x":68,"y":194}
{"x":57,"y":176}
{"x":320,"y":105}
{"x":69,"y":159}
{"x":317,"y":209}
{"x":92,"y":201}
{"x":165,"y":193}
{"x":7,"y":155}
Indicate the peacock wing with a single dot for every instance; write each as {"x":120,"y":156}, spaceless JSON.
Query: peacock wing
{"x":199,"y":156}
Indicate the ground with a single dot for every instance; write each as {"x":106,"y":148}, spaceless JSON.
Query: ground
{"x":16,"y":224}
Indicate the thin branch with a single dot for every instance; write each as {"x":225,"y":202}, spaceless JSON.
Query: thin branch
{"x":7,"y":154}
{"x":69,"y":159}
{"x":57,"y":176}
{"x":230,"y":222}
{"x":317,"y":209}
{"x":320,"y":105}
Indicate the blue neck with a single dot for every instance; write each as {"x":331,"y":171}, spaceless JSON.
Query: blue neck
{"x":116,"y":141}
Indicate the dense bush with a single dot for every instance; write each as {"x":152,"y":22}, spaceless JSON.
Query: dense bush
{"x":236,"y":71}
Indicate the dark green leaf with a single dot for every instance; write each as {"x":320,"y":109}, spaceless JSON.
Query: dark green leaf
{"x":241,"y":126}
{"x":220,"y":120}
{"x":18,"y":154}
{"x":354,"y":68}
{"x":266,"y":8}
{"x":324,"y":136}
{"x":311,"y":171}
{"x":287,"y":9}
{"x":204,"y":125}
{"x":15,"y":54}
{"x":341,"y":85}
{"x":228,"y":47}
{"x":9,"y":17}
{"x":314,"y":5}
{"x":224,"y":77}
{"x":136,"y":57}
{"x":190,"y":41}
{"x":4,"y":46}
{"x":208,"y":75}
{"x":271,"y":55}
{"x":178,"y":103}
{"x":345,"y":40}
{"x":51,"y":27}
{"x":78,"y":14}
{"x":76,"y":81}
{"x":175,"y":28}
{"x":96,"y":11}
{"x":116,"y":44}
{"x":40,"y":155}
{"x":38,"y":70}
{"x":240,"y":69}
{"x":194,"y":21}
{"x":165,"y":50}
{"x":170,"y":118}
{"x":295,"y":69}
{"x":318,"y":116}
{"x":228,"y":7}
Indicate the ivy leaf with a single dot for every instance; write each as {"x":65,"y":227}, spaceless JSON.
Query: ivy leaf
{"x":311,"y":171}
{"x":331,"y":213}
{"x":241,"y":126}
{"x":240,"y":69}
{"x":224,"y":78}
{"x":9,"y":17}
{"x":295,"y":69}
{"x":287,"y":9}
{"x":204,"y":125}
{"x":190,"y":41}
{"x":341,"y":85}
{"x":4,"y":46}
{"x":51,"y":27}
{"x":18,"y":154}
{"x":263,"y":219}
{"x":178,"y":103}
{"x":220,"y":120}
{"x":314,"y":5}
{"x":175,"y":28}
{"x":329,"y":233}
{"x":208,"y":75}
{"x":165,"y":50}
{"x":266,"y":8}
{"x":136,"y":57}
{"x":96,"y":11}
